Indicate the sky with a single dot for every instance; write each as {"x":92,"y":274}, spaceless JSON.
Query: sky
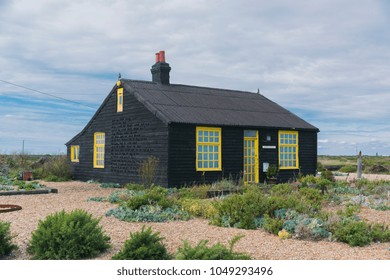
{"x":325,"y":61}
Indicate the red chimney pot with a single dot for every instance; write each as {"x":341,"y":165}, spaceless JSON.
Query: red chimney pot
{"x":157,"y":57}
{"x":162,"y":56}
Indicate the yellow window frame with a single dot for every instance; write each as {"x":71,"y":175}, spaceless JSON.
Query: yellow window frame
{"x":99,"y":139}
{"x":208,"y":148}
{"x":74,"y":153}
{"x":288,"y":149}
{"x":119,"y":98}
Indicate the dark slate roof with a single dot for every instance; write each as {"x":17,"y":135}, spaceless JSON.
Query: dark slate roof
{"x":212,"y":106}
{"x":208,"y":106}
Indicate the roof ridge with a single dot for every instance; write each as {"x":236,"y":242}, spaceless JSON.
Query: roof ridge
{"x":193,"y":86}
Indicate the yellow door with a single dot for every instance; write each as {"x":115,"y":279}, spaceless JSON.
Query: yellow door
{"x":251,"y":156}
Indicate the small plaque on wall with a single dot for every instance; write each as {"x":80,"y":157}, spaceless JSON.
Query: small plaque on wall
{"x":269,"y":147}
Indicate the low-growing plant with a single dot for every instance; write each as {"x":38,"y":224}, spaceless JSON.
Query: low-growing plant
{"x":215,"y":252}
{"x":119,"y":196}
{"x":143,"y":245}
{"x":110,"y":185}
{"x":68,"y":236}
{"x":134,"y":187}
{"x":195,"y":192}
{"x":199,"y":207}
{"x":224,"y":185}
{"x":6,"y":245}
{"x":284,"y":234}
{"x":98,"y":199}
{"x":148,"y":213}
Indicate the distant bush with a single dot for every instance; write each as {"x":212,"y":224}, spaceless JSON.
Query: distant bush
{"x":328,"y":175}
{"x":68,"y":236}
{"x":348,"y":169}
{"x":55,"y":169}
{"x":143,"y":245}
{"x":216,"y":252}
{"x":6,"y":245}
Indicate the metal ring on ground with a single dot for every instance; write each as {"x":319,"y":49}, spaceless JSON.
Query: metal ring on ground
{"x":9,"y":208}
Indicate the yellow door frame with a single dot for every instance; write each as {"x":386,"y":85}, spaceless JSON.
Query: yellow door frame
{"x":251,"y":158}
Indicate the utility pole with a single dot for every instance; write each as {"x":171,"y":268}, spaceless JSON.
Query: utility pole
{"x":23,"y":147}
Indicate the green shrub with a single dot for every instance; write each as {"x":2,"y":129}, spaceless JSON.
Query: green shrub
{"x":272,"y":225}
{"x":153,"y":196}
{"x":68,"y":236}
{"x":311,"y":197}
{"x":240,"y":210}
{"x":143,"y":245}
{"x":308,"y":180}
{"x":355,"y":233}
{"x":216,"y":252}
{"x":281,"y":190}
{"x":199,"y":207}
{"x":6,"y":246}
{"x":380,"y":233}
{"x":148,"y":213}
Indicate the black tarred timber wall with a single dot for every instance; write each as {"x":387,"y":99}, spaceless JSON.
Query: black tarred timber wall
{"x":135,"y":134}
{"x":182,"y":155}
{"x":131,"y":137}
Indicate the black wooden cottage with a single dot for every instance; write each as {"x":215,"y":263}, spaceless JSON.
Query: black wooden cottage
{"x":199,"y":134}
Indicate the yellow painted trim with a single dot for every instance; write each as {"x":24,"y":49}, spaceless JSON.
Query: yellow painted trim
{"x":256,"y":156}
{"x":119,"y":100}
{"x":95,"y":148}
{"x":74,"y":153}
{"x":289,"y":145}
{"x":218,"y":144}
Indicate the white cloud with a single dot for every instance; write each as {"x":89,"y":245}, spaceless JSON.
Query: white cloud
{"x":324,"y":60}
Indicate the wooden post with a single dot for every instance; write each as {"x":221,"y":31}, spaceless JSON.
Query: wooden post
{"x":359,"y":165}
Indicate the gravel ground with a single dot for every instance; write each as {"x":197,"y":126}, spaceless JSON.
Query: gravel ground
{"x":257,"y":243}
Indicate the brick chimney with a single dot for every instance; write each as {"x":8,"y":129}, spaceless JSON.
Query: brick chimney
{"x":160,"y":70}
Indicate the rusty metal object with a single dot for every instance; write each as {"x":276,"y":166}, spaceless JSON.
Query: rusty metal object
{"x":9,"y":208}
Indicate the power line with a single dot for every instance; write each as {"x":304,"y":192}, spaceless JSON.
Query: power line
{"x":48,"y":94}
